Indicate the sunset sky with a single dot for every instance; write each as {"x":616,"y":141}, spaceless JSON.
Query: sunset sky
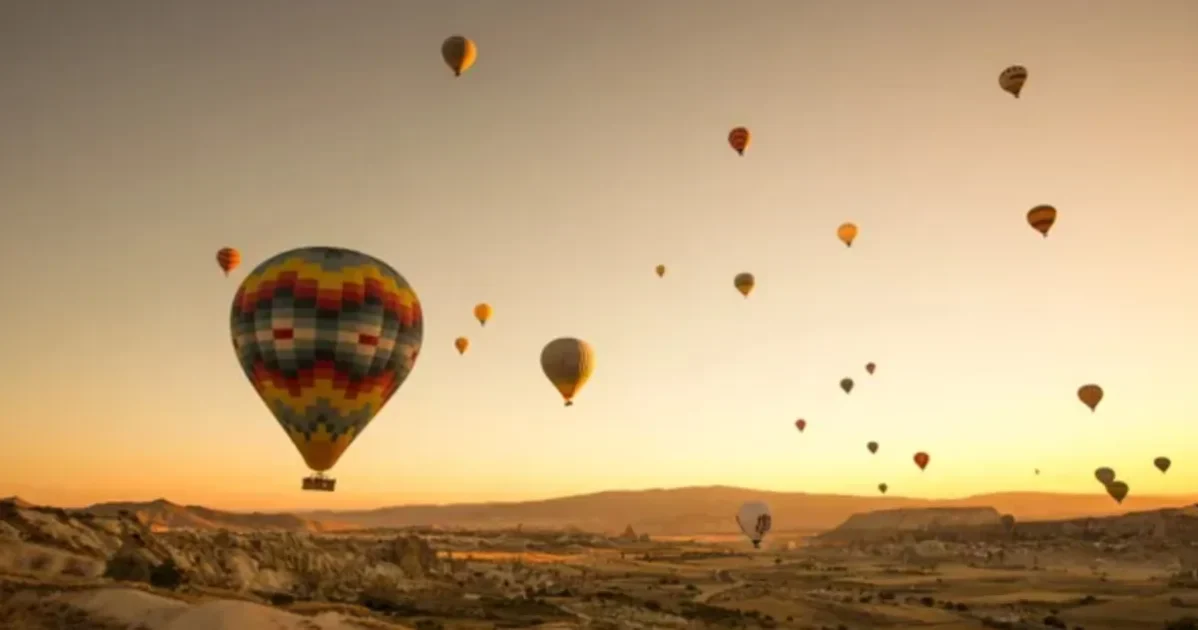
{"x":587,"y":145}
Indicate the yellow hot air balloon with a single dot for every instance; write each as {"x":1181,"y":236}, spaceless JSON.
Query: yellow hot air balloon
{"x":744,"y":282}
{"x":1090,"y":395}
{"x":661,"y":270}
{"x":482,"y":312}
{"x":568,"y":364}
{"x":459,"y":54}
{"x":1012,"y":79}
{"x":461,"y":343}
{"x":847,"y":233}
{"x":1041,"y":218}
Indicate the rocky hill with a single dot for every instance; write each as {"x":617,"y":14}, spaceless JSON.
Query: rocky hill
{"x":890,"y":522}
{"x":162,"y":515}
{"x":709,"y":510}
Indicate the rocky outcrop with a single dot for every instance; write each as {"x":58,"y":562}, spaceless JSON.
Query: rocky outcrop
{"x":629,"y":534}
{"x":887,"y":523}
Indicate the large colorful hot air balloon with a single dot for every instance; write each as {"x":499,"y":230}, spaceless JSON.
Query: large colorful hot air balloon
{"x":459,"y":54}
{"x":1162,"y":464}
{"x":739,"y":138}
{"x":847,"y":233}
{"x":1090,"y":395}
{"x":228,"y":259}
{"x":482,"y":312}
{"x":1012,"y":79}
{"x":661,"y":271}
{"x":744,"y":282}
{"x":568,"y":363}
{"x":870,"y":367}
{"x":326,"y":336}
{"x":1104,"y":475}
{"x":847,"y":385}
{"x":883,"y":488}
{"x":755,"y":521}
{"x":1042,"y":218}
{"x":800,"y":424}
{"x":921,"y":459}
{"x":461,"y":343}
{"x":1117,"y":490}
{"x":872,"y":446}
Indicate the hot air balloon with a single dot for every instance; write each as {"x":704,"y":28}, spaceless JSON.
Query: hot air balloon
{"x":1037,"y":471}
{"x":847,"y":385}
{"x":482,"y":312}
{"x":661,"y":271}
{"x":883,"y":488}
{"x":872,"y":446}
{"x":847,"y":233}
{"x":1007,"y":521}
{"x":870,"y":367}
{"x":1041,"y":218}
{"x":1117,"y":490}
{"x":1090,"y":395}
{"x":800,"y":424}
{"x":744,"y":282}
{"x":1104,"y":475}
{"x":459,"y":54}
{"x":921,"y":460}
{"x":739,"y":138}
{"x":755,"y":521}
{"x":1162,"y":464}
{"x":1012,"y":79}
{"x":228,"y":259}
{"x":568,"y":363}
{"x":461,"y":343}
{"x":326,"y":336}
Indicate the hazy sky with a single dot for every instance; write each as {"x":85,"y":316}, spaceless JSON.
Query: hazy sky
{"x":587,"y":145}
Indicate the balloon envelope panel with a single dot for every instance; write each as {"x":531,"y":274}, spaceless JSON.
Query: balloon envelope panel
{"x":326,"y":336}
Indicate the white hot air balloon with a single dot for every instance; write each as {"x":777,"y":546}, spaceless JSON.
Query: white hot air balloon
{"x":755,"y":521}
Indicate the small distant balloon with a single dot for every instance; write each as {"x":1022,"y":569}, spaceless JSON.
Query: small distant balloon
{"x":883,"y":488}
{"x":1011,"y":80}
{"x":483,"y":312}
{"x":1104,"y":475}
{"x":1090,"y":395}
{"x":459,"y":54}
{"x":1007,"y":521}
{"x":1037,"y":471}
{"x":661,"y":271}
{"x":1117,"y":490}
{"x":744,"y":282}
{"x":800,"y":424}
{"x":755,"y":521}
{"x":847,"y":385}
{"x":870,"y":367}
{"x":847,"y":233}
{"x":921,"y":459}
{"x":739,"y":139}
{"x":872,"y":446}
{"x":1162,"y":464}
{"x":461,"y":343}
{"x":1042,"y":218}
{"x":228,"y":259}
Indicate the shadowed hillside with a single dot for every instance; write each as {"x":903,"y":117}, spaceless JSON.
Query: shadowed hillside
{"x":162,"y":515}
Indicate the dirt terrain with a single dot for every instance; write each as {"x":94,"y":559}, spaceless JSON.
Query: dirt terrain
{"x":71,"y":569}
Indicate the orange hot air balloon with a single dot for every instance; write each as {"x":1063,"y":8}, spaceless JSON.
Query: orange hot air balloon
{"x":1090,"y":395}
{"x":228,"y":259}
{"x":870,"y":367}
{"x":883,"y":488}
{"x":461,"y":343}
{"x":459,"y":53}
{"x":800,"y":424}
{"x":847,"y":233}
{"x":872,"y":446}
{"x":1041,"y":218}
{"x":482,"y":312}
{"x":922,"y":459}
{"x":739,"y":138}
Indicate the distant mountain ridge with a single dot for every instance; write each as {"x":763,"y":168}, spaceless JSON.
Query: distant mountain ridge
{"x":677,"y":511}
